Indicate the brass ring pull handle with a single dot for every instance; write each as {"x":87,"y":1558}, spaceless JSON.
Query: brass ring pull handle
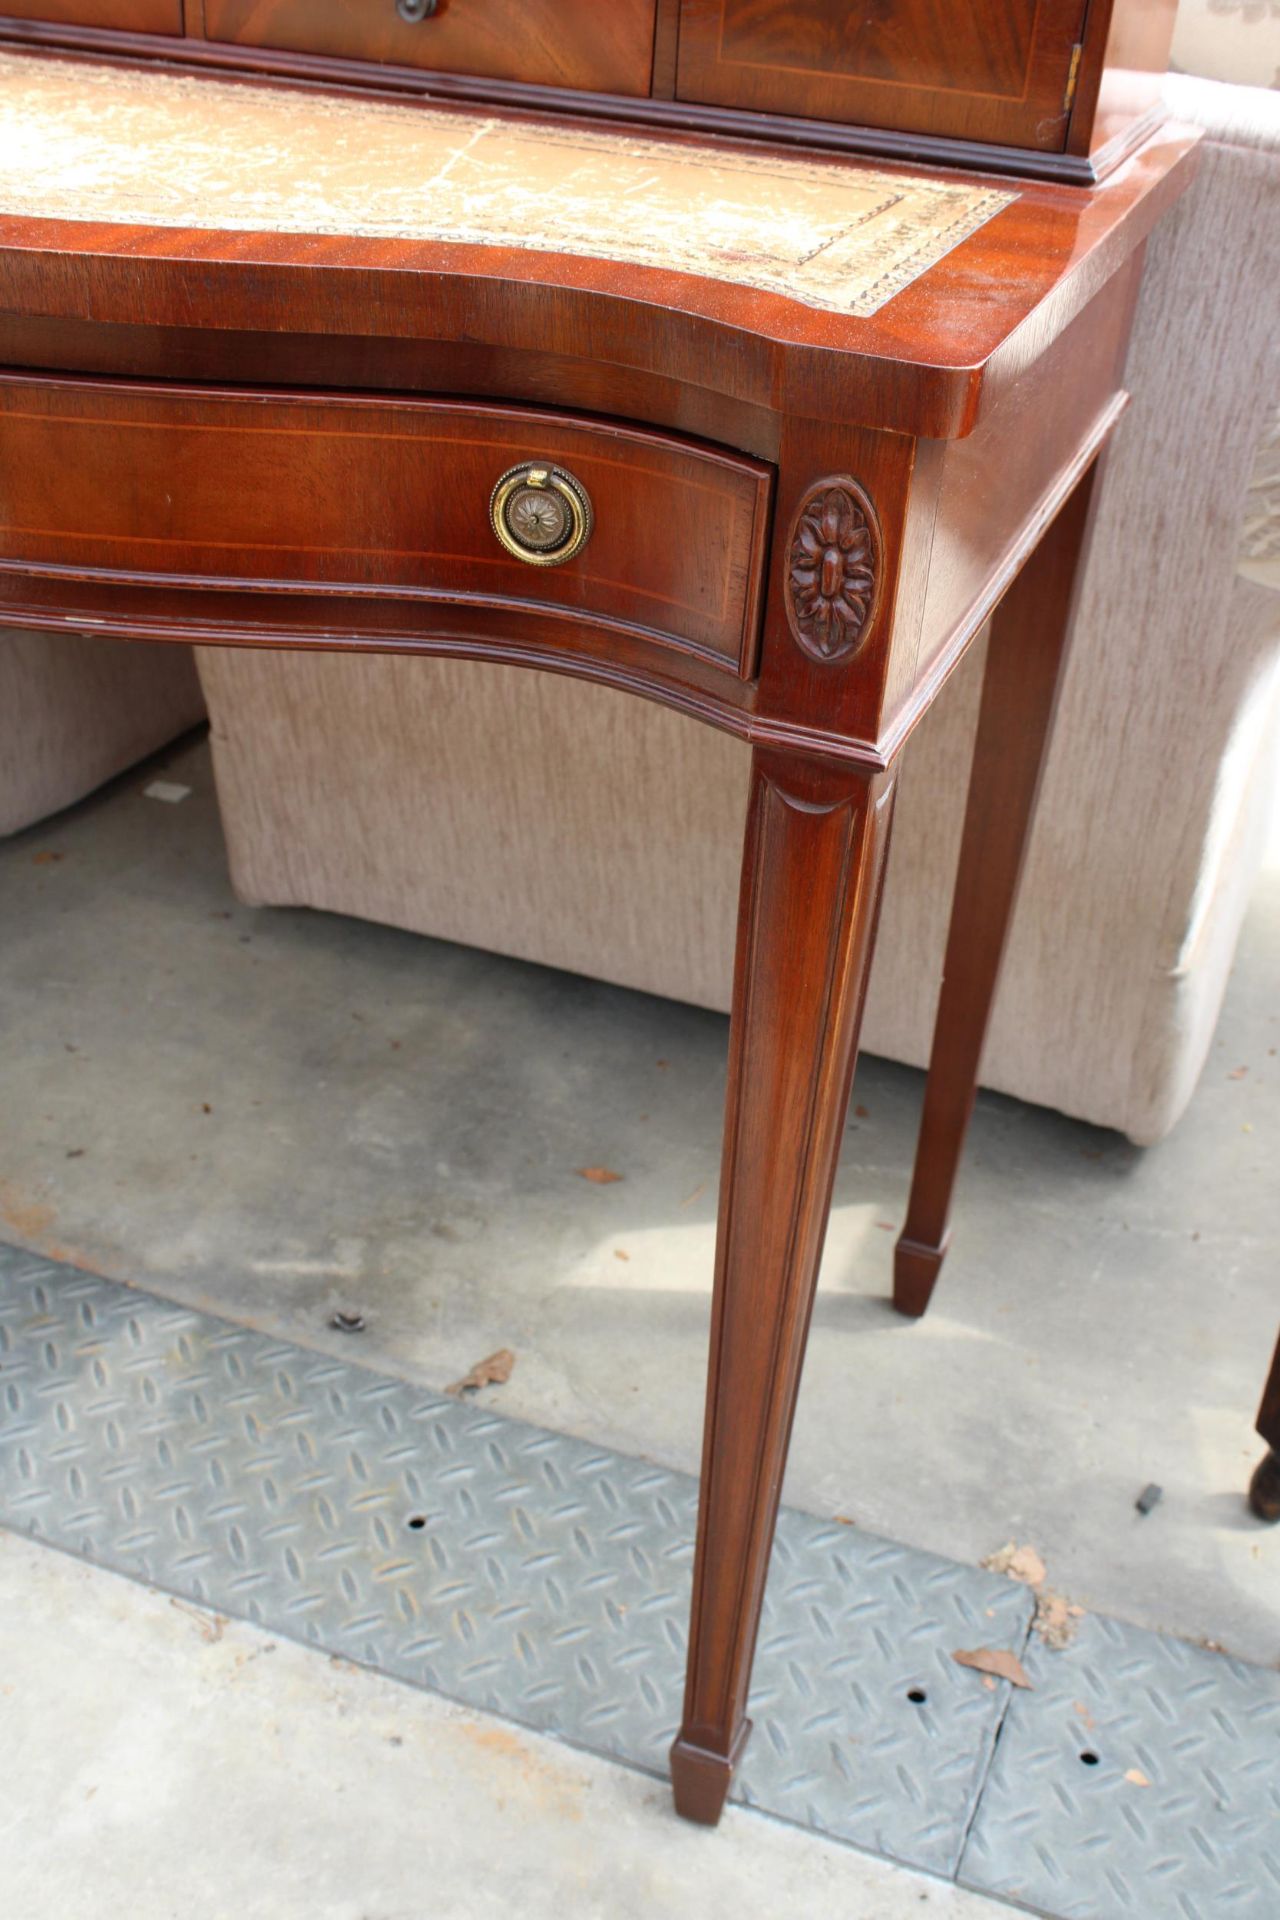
{"x":541,"y":514}
{"x":415,"y":10}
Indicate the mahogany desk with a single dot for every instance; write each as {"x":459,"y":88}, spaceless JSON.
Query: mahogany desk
{"x":762,"y":436}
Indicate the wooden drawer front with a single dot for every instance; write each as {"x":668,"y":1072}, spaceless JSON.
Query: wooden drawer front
{"x":994,"y":70}
{"x":320,"y":495}
{"x":602,"y":46}
{"x":127,"y":16}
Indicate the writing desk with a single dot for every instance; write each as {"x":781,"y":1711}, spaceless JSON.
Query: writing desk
{"x":761,"y":436}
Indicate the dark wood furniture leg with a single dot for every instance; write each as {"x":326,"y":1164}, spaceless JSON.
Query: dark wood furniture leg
{"x":1030,"y":631}
{"x":1264,"y":1488}
{"x":813,"y":862}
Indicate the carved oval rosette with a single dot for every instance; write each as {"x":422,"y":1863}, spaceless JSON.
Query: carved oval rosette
{"x":833,"y":569}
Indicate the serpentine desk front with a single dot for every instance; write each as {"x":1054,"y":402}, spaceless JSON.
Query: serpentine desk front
{"x":762,"y":436}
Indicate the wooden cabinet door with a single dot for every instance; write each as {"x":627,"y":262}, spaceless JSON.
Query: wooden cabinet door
{"x":127,"y":16}
{"x":991,"y":70}
{"x":601,"y":46}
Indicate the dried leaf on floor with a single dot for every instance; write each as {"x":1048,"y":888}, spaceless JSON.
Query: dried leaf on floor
{"x":599,"y":1176}
{"x":620,"y":1253}
{"x":494,"y":1371}
{"x":997,"y":1661}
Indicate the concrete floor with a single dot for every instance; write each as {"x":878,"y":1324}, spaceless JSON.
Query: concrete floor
{"x":162,"y":1762}
{"x":273,"y":1114}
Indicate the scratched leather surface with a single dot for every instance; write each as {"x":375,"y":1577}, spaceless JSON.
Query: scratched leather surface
{"x":82,"y":142}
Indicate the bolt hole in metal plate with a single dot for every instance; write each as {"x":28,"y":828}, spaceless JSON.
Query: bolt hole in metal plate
{"x":1138,"y":1779}
{"x":541,"y":1577}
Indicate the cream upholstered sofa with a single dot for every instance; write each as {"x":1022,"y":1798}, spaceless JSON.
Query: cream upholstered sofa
{"x":553,"y":821}
{"x":75,"y":711}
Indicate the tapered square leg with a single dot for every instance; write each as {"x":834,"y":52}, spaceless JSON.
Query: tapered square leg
{"x":812,"y":868}
{"x":1025,"y":658}
{"x":1264,"y":1488}
{"x":701,"y":1780}
{"x":915,"y":1273}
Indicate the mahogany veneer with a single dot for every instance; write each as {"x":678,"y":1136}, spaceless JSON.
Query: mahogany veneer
{"x":605,"y":48}
{"x":126,"y":16}
{"x":997,"y":70}
{"x":273,"y":433}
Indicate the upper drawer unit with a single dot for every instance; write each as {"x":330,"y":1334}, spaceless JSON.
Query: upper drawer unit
{"x":526,"y":521}
{"x":125,"y":16}
{"x":999,"y":71}
{"x":604,"y":46}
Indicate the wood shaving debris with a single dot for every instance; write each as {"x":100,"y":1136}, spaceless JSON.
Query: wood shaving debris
{"x":1055,"y":1620}
{"x":1055,"y":1616}
{"x":994,"y":1660}
{"x":210,"y":1625}
{"x":599,"y":1176}
{"x":495,"y":1371}
{"x":1020,"y":1563}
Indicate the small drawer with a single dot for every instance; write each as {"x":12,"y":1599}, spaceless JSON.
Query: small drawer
{"x":601,"y":46}
{"x":994,"y":70}
{"x":331,"y":498}
{"x":126,"y":16}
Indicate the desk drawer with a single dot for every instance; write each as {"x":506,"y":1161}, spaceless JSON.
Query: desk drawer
{"x":319,"y":495}
{"x":994,"y":70}
{"x":602,"y":46}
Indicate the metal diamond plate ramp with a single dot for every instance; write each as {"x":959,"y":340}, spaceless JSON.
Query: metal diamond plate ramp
{"x":1141,"y":1777}
{"x":513,"y":1569}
